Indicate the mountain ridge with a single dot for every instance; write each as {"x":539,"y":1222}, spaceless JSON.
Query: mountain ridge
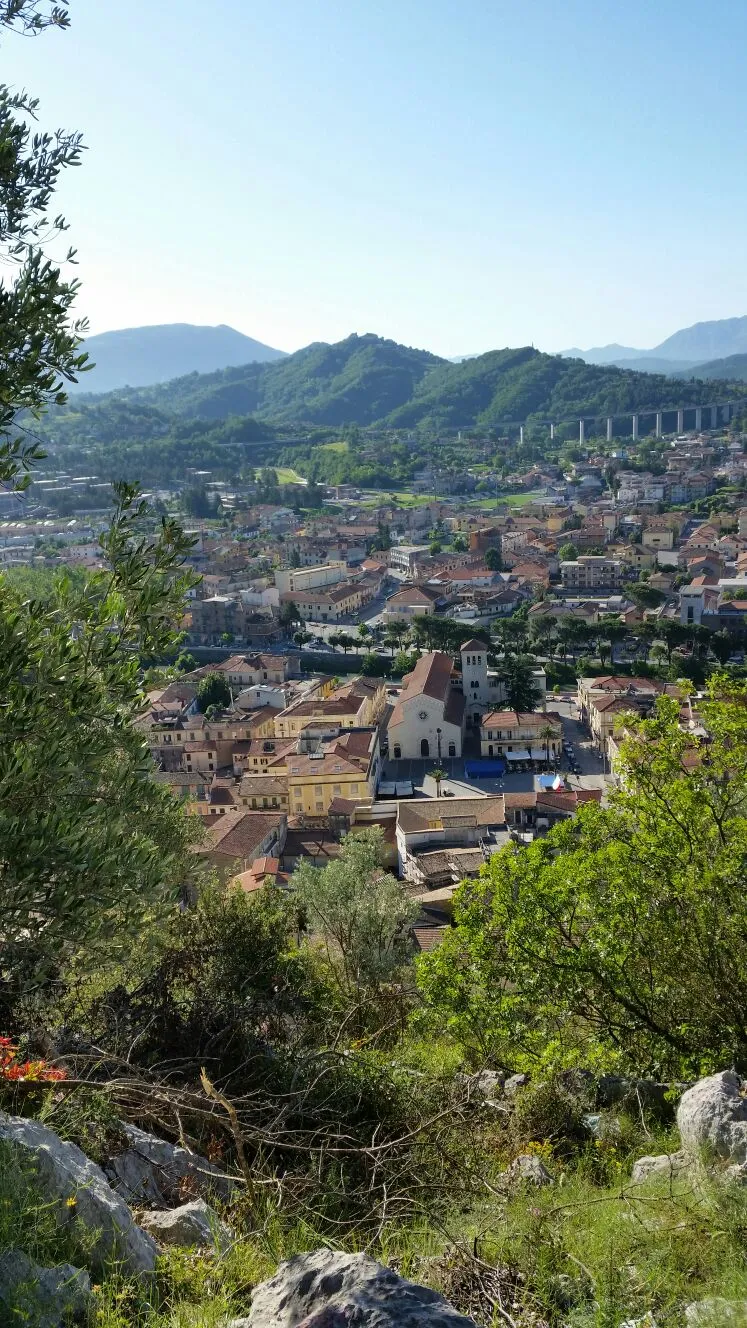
{"x":366,"y":380}
{"x":153,"y":353}
{"x":687,"y":348}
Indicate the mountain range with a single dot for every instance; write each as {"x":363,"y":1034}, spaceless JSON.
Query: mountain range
{"x":137,"y":356}
{"x":693,"y":348}
{"x":368,"y":380}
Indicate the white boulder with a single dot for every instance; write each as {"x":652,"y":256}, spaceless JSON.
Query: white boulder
{"x":192,"y":1224}
{"x":327,"y":1289}
{"x":528,"y":1169}
{"x":151,"y":1171}
{"x":62,"y":1172}
{"x":716,"y":1313}
{"x":668,"y":1165}
{"x":712,"y":1116}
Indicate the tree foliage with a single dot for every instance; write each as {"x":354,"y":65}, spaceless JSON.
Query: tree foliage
{"x":93,"y":847}
{"x":361,"y":916}
{"x":213,"y":690}
{"x":39,"y":346}
{"x":621,"y":937}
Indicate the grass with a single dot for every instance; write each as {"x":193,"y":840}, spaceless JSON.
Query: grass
{"x":404,"y":498}
{"x":589,"y":1251}
{"x":287,"y":475}
{"x":334,"y":447}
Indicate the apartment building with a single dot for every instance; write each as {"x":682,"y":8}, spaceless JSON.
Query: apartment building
{"x":293,"y":580}
{"x":521,"y":735}
{"x":357,"y":703}
{"x":345,"y":767}
{"x":592,"y":572}
{"x":331,"y":604}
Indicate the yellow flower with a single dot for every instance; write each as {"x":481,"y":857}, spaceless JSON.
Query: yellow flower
{"x":72,"y":1202}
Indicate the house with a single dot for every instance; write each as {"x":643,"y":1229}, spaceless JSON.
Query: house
{"x":429,"y":714}
{"x":411,"y":602}
{"x":427,"y":824}
{"x":233,"y":843}
{"x":537,"y":811}
{"x":521,"y":735}
{"x":358,"y":703}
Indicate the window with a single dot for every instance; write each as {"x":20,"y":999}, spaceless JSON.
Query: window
{"x":397,"y":752}
{"x":452,"y":749}
{"x":335,"y":788}
{"x":353,"y":788}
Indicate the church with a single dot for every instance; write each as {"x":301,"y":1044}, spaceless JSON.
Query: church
{"x":436,"y":705}
{"x":427,"y":722}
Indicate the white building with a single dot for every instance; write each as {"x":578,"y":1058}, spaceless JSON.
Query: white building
{"x":428,"y":720}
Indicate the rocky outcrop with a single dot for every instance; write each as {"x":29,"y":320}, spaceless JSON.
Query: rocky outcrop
{"x":44,"y":1297}
{"x":327,"y":1289}
{"x":153,"y":1172}
{"x":61,"y":1173}
{"x":715,"y":1312}
{"x":528,"y":1169}
{"x":191,"y":1224}
{"x":660,"y":1164}
{"x":712,"y":1118}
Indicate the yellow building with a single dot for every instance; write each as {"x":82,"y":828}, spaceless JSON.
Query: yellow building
{"x":346,"y":767}
{"x":355,"y":704}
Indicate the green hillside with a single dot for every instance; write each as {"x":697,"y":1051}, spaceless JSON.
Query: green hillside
{"x":518,"y":384}
{"x":733,"y":368}
{"x":361,"y":379}
{"x":367,"y":380}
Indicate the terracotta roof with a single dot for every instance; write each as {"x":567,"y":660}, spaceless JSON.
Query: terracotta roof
{"x":621,"y":684}
{"x":474,"y":644}
{"x":525,"y":718}
{"x":240,"y":836}
{"x":413,"y":595}
{"x":427,"y":938}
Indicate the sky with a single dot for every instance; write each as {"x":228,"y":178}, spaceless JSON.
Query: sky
{"x":455,"y":174}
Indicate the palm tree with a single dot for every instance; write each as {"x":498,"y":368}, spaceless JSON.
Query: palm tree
{"x":547,"y":733}
{"x":438,"y":774}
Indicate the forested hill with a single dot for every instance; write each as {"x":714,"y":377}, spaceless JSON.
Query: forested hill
{"x":359,"y":380}
{"x":368,"y":380}
{"x":515,"y":385}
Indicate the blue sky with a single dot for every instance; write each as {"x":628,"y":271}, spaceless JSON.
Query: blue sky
{"x":456,"y":174}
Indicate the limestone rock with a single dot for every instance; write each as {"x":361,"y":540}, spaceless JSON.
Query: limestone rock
{"x":191,"y":1224}
{"x":528,"y":1169}
{"x":712,"y":1115}
{"x":44,"y":1297}
{"x":327,"y":1289}
{"x":487,"y":1084}
{"x":151,"y":1171}
{"x":61,"y":1172}
{"x":514,"y":1083}
{"x":715,"y":1312}
{"x":660,"y":1164}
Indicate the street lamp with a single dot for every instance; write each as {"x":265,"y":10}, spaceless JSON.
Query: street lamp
{"x":438,"y":741}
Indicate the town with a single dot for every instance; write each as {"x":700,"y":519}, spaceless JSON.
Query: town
{"x":458,"y":672}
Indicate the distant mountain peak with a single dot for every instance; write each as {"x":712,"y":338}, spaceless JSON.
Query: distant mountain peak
{"x":141,"y":356}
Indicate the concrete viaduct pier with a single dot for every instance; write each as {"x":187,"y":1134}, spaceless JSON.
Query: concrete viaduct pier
{"x":718,"y":414}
